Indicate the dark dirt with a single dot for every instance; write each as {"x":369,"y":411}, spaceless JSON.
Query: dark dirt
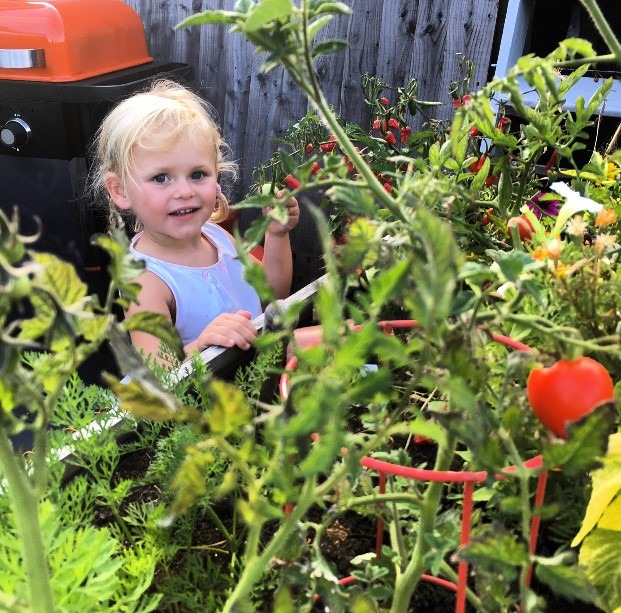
{"x":349,"y":535}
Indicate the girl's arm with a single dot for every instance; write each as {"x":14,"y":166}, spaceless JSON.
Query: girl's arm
{"x":277,"y":257}
{"x":155,"y":296}
{"x":226,"y":330}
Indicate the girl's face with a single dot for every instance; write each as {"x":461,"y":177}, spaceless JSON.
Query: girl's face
{"x":172,"y":191}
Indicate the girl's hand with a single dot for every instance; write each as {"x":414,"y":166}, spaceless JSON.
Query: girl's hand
{"x":228,"y":330}
{"x":276,"y":228}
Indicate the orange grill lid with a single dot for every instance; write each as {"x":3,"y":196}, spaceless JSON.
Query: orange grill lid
{"x":68,"y":40}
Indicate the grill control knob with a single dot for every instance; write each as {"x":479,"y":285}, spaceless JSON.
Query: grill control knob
{"x":15,"y":133}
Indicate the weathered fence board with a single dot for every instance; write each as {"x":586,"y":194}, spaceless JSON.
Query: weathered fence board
{"x":392,"y":39}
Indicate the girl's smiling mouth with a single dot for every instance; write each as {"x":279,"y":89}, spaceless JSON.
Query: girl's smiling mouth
{"x":183,"y":212}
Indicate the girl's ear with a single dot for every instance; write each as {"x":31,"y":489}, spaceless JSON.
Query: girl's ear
{"x":116,"y":190}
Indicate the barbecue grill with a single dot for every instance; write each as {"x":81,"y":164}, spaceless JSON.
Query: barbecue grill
{"x":63,"y":65}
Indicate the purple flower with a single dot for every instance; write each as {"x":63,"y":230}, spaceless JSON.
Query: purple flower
{"x":544,"y":203}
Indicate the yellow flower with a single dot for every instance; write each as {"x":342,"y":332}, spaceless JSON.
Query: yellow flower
{"x":612,"y":170}
{"x":605,"y":217}
{"x":560,"y":269}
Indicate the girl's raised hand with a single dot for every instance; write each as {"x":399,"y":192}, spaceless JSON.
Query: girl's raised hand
{"x":277,"y":228}
{"x":228,"y":330}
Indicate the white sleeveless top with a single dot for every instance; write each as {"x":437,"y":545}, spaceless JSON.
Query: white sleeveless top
{"x":203,"y":293}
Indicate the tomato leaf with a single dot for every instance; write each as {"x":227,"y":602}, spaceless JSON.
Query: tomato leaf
{"x":586,"y":442}
{"x":570,"y":582}
{"x":329,"y":46}
{"x":387,"y":282}
{"x":157,"y":325}
{"x":229,"y":410}
{"x":264,"y":13}
{"x":189,"y":483}
{"x":498,"y":551}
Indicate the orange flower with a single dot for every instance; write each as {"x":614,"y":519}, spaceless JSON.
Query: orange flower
{"x":554,"y":248}
{"x":605,"y":217}
{"x":540,"y":253}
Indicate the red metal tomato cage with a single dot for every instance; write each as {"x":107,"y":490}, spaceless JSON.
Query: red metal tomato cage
{"x":467,"y":478}
{"x":63,"y":66}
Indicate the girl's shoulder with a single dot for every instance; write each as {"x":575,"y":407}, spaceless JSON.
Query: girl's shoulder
{"x":221,"y":238}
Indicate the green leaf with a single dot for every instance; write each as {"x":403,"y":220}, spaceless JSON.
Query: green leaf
{"x":151,"y":402}
{"x":459,"y":137}
{"x":599,"y":554}
{"x":123,"y":265}
{"x":353,"y":198}
{"x":606,"y":486}
{"x":386,"y":283}
{"x":329,"y":46}
{"x":37,"y":326}
{"x":229,"y":411}
{"x":207,"y":17}
{"x":61,"y":278}
{"x":283,"y":600}
{"x":189,"y":482}
{"x":505,"y":188}
{"x":338,"y":8}
{"x":513,"y":264}
{"x":361,"y":248}
{"x":479,"y":179}
{"x":265,"y":12}
{"x":586,"y":442}
{"x":573,"y":47}
{"x":498,"y":551}
{"x":437,"y":265}
{"x":324,"y":452}
{"x":571,"y":582}
{"x":316,"y":26}
{"x":571,"y":79}
{"x":158,"y":325}
{"x":597,"y":99}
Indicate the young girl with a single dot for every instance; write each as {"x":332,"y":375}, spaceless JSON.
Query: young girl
{"x":159,"y":155}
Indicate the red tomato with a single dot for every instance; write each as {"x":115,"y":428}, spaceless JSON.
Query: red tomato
{"x":476,"y":166}
{"x":567,"y":391}
{"x":292,"y":182}
{"x":390,"y":138}
{"x":524,"y":225}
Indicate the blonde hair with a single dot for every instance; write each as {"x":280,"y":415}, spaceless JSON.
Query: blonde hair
{"x":135,"y":120}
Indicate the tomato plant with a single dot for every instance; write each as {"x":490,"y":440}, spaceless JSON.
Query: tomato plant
{"x":568,"y":390}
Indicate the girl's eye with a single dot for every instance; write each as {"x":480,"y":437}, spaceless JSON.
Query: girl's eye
{"x":197,"y":174}
{"x":161,"y":178}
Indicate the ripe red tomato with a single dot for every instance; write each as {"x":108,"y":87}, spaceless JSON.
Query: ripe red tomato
{"x":524,"y":225}
{"x":567,"y":391}
{"x":476,"y":166}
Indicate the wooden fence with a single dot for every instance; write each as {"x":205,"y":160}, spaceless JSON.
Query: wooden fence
{"x":392,"y":39}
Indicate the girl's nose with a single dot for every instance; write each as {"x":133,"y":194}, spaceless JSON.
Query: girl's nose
{"x":183,"y":189}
